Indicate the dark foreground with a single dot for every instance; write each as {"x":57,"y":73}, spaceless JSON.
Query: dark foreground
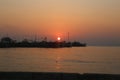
{"x":55,"y":76}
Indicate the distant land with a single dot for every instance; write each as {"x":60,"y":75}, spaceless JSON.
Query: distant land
{"x":7,"y":42}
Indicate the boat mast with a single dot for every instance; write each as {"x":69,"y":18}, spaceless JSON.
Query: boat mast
{"x":35,"y":40}
{"x":68,"y":37}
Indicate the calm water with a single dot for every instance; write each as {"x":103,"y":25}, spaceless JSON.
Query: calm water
{"x":80,"y":60}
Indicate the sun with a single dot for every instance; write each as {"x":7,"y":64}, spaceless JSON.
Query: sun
{"x":58,"y":38}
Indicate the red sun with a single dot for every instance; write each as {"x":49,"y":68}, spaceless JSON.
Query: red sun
{"x":58,"y":38}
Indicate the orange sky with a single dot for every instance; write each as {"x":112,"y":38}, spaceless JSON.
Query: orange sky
{"x":91,"y":21}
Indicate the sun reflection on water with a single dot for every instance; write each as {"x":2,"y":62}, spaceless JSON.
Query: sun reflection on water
{"x":58,"y":65}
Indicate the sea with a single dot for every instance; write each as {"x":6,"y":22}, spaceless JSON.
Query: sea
{"x":90,"y":59}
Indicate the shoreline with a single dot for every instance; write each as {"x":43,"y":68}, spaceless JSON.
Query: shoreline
{"x":56,"y":76}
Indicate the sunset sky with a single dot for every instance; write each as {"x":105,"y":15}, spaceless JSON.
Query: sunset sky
{"x":96,"y":22}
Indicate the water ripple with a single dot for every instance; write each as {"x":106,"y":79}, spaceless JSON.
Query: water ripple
{"x":83,"y":61}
